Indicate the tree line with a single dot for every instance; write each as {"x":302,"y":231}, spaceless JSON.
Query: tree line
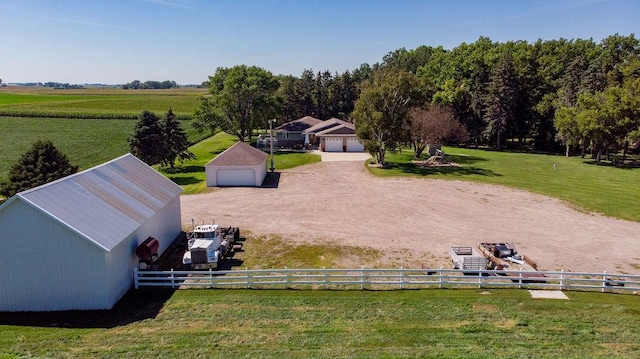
{"x":150,"y":85}
{"x":541,"y":96}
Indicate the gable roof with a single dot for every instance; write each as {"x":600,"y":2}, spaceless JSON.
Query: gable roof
{"x":332,"y":122}
{"x":342,"y":130}
{"x":298,"y":125}
{"x":240,"y":154}
{"x":106,"y":203}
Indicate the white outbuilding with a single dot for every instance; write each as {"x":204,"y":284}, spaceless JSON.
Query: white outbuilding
{"x":70,"y":244}
{"x":240,"y":165}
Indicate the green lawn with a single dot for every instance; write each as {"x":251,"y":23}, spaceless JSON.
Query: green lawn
{"x":346,"y":324}
{"x":609,"y":190}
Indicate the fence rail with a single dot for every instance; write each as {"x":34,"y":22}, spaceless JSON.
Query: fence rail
{"x":401,"y":278}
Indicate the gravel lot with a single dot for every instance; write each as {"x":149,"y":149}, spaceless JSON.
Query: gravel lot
{"x":414,"y":221}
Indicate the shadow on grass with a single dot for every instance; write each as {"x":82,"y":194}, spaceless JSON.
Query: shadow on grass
{"x":183,"y":169}
{"x":411,"y":168}
{"x":135,"y":306}
{"x":464,"y":159}
{"x":627,"y":166}
{"x":183,"y":181}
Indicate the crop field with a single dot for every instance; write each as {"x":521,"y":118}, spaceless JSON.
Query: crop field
{"x":86,"y":142}
{"x":602,"y":188}
{"x":321,"y":324}
{"x":95,"y":103}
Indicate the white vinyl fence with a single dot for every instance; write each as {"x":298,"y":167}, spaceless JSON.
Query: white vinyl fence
{"x":401,"y":278}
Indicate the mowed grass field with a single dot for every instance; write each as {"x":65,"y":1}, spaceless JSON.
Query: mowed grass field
{"x":334,"y":324}
{"x":588,"y":186}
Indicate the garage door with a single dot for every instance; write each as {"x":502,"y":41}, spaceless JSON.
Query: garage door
{"x":333,"y":144}
{"x":353,"y":145}
{"x":236,"y":178}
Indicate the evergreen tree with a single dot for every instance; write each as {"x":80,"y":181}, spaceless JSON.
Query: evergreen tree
{"x":175,"y":143}
{"x":41,"y":164}
{"x":501,"y":100}
{"x":147,"y":140}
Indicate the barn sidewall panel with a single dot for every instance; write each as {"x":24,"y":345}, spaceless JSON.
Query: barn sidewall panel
{"x":165,"y":226}
{"x":46,"y":266}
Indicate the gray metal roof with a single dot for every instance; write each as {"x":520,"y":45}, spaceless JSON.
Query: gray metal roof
{"x":240,"y":154}
{"x":106,"y":203}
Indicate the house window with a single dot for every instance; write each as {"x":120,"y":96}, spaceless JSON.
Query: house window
{"x":285,"y":135}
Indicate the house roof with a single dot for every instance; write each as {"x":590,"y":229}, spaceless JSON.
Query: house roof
{"x":240,"y":154}
{"x":106,"y":203}
{"x":341,"y":130}
{"x":332,"y":122}
{"x":298,"y":125}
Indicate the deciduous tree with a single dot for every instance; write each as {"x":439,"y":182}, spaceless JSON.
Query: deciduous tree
{"x":434,"y":124}
{"x":239,"y":98}
{"x":380,"y":111}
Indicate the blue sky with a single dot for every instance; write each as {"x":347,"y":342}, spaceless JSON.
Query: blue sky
{"x":117,"y":41}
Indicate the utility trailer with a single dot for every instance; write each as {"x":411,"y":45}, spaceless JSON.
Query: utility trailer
{"x":467,"y":258}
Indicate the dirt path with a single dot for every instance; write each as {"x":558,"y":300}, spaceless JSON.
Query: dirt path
{"x":416,"y":220}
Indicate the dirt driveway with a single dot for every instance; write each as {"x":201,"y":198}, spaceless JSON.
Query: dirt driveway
{"x":414,"y":221}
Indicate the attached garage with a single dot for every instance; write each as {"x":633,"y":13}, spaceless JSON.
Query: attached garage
{"x":354,"y":145}
{"x":239,"y":166}
{"x":340,"y":138}
{"x":333,"y":144}
{"x":70,"y":244}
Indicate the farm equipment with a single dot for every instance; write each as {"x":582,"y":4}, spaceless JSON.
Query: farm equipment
{"x":501,"y":256}
{"x":208,"y":245}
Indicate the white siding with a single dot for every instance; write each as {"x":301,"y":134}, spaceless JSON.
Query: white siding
{"x":164,"y":226}
{"x":46,"y":266}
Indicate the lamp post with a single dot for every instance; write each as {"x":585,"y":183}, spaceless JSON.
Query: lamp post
{"x":271,"y":142}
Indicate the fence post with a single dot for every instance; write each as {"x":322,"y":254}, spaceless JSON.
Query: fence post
{"x":135,"y":278}
{"x":520,"y":279}
{"x":561,"y":279}
{"x":286,"y":277}
{"x":440,"y":279}
{"x":604,"y":282}
{"x":211,"y":277}
{"x":480,"y":279}
{"x":324,"y":272}
{"x":246,"y":277}
{"x":173,"y":280}
{"x":401,"y":277}
{"x":361,"y":277}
